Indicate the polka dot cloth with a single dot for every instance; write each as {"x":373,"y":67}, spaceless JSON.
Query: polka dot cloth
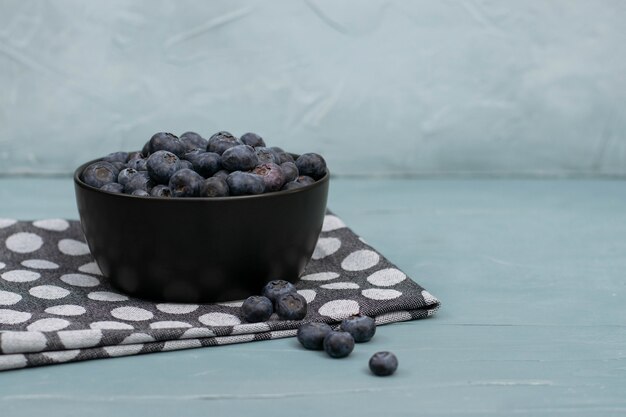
{"x":56,"y":306}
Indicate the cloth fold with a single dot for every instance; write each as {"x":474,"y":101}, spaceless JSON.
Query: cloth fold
{"x":55,"y":305}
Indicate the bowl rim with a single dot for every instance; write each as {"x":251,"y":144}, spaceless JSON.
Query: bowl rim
{"x":271,"y":194}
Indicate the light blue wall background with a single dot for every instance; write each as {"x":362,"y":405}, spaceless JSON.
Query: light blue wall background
{"x":378,"y":87}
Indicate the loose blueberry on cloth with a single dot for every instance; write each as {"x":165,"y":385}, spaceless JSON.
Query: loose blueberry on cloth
{"x":55,"y":306}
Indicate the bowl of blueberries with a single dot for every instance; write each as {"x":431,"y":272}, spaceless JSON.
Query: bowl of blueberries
{"x":189,"y":219}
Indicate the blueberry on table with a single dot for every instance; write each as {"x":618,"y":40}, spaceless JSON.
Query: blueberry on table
{"x":290,"y":170}
{"x":266,"y":155}
{"x":213,"y":187}
{"x":116,"y":157}
{"x":113,"y":187}
{"x":244,"y":183}
{"x":221,"y":141}
{"x":252,"y":139}
{"x":139,"y":181}
{"x":361,"y":327}
{"x":338,"y":344}
{"x":162,"y":165}
{"x":256,"y":309}
{"x":276,"y":288}
{"x":99,"y":173}
{"x":291,"y":306}
{"x":141,"y":193}
{"x":239,"y":158}
{"x":272,"y":175}
{"x":312,"y":165}
{"x":161,"y":191}
{"x":164,"y":141}
{"x":192,"y":140}
{"x":206,"y":163}
{"x":185,"y":183}
{"x":311,"y":335}
{"x":383,"y":363}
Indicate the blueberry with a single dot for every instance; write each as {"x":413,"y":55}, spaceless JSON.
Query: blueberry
{"x":125,"y":175}
{"x":113,"y":187}
{"x":361,"y":327}
{"x":276,"y":288}
{"x":291,"y":306}
{"x":272,"y":175}
{"x":214,"y":187}
{"x":139,"y":181}
{"x":311,"y":164}
{"x":161,"y":166}
{"x":277,"y":149}
{"x":163,"y":141}
{"x":118,"y":165}
{"x":116,"y":157}
{"x":383,"y":363}
{"x":141,"y":193}
{"x":145,"y":151}
{"x":311,"y":335}
{"x":338,"y":344}
{"x":285,"y":157}
{"x":206,"y":163}
{"x":303,"y":179}
{"x":266,"y":155}
{"x":239,"y":158}
{"x":243,"y":183}
{"x":222,"y":173}
{"x":221,"y":141}
{"x":184,"y":164}
{"x":161,"y":191}
{"x":290,"y":170}
{"x":140,"y":164}
{"x":192,"y":140}
{"x":99,"y":173}
{"x":185,"y":183}
{"x":134,"y":155}
{"x":257,"y":308}
{"x":292,"y":186}
{"x":252,"y":139}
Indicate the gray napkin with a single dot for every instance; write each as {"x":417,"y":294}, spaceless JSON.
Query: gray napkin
{"x":55,"y":305}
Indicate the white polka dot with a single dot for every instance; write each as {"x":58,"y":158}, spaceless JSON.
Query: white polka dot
{"x":332,"y":223}
{"x":110,"y":325}
{"x":137,"y":338}
{"x":73,"y":247}
{"x":197,"y":332}
{"x":12,"y":361}
{"x":428,"y":297}
{"x":20,"y":275}
{"x":250,"y":328}
{"x":169,"y":325}
{"x":381,"y":294}
{"x":393,"y":317}
{"x":320,"y":276}
{"x":123,"y":350}
{"x":131,"y":313}
{"x":80,"y":280}
{"x":8,"y":298}
{"x":360,"y":260}
{"x":341,"y":286}
{"x":339,"y":309}
{"x":386,"y":277}
{"x":49,"y":292}
{"x":106,"y":296}
{"x":90,"y":268}
{"x":6,"y":222}
{"x":55,"y":225}
{"x":74,"y":339}
{"x":228,"y":340}
{"x":24,"y":242}
{"x":326,"y":246}
{"x":66,"y":310}
{"x":13,"y":317}
{"x":22,"y":342}
{"x":48,"y":325}
{"x":237,"y":303}
{"x":2,"y":265}
{"x":309,"y":295}
{"x":177,"y":308}
{"x":39,"y":264}
{"x":181,"y":344}
{"x":62,"y":355}
{"x":219,"y":319}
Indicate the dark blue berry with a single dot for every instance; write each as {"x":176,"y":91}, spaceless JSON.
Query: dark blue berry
{"x":311,"y":335}
{"x":266,"y":155}
{"x":291,"y":306}
{"x":99,"y":173}
{"x":244,"y":183}
{"x":285,"y":157}
{"x":162,"y":165}
{"x":141,"y":193}
{"x":312,"y":165}
{"x":338,"y":344}
{"x":185,"y":183}
{"x":118,"y":165}
{"x":184,"y":164}
{"x":125,"y":175}
{"x":383,"y":363}
{"x":222,"y":173}
{"x":214,"y":187}
{"x":116,"y":157}
{"x":239,"y":158}
{"x":306,"y":180}
{"x":145,"y":151}
{"x":276,"y":288}
{"x":290,"y":170}
{"x":221,"y":141}
{"x":140,"y":164}
{"x":293,"y":185}
{"x":134,"y":155}
{"x":206,"y":163}
{"x":361,"y":327}
{"x":113,"y":187}
{"x":252,"y":139}
{"x":192,"y":140}
{"x":256,"y":309}
{"x":164,"y":141}
{"x":272,"y":175}
{"x":139,"y":181}
{"x":161,"y":191}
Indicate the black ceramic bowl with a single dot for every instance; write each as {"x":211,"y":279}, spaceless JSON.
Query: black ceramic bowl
{"x":200,"y":249}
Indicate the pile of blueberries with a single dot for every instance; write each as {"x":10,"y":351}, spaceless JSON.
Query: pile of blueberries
{"x":191,"y":166}
{"x":280,"y":297}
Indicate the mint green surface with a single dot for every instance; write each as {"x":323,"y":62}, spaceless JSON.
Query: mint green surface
{"x":533,"y":321}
